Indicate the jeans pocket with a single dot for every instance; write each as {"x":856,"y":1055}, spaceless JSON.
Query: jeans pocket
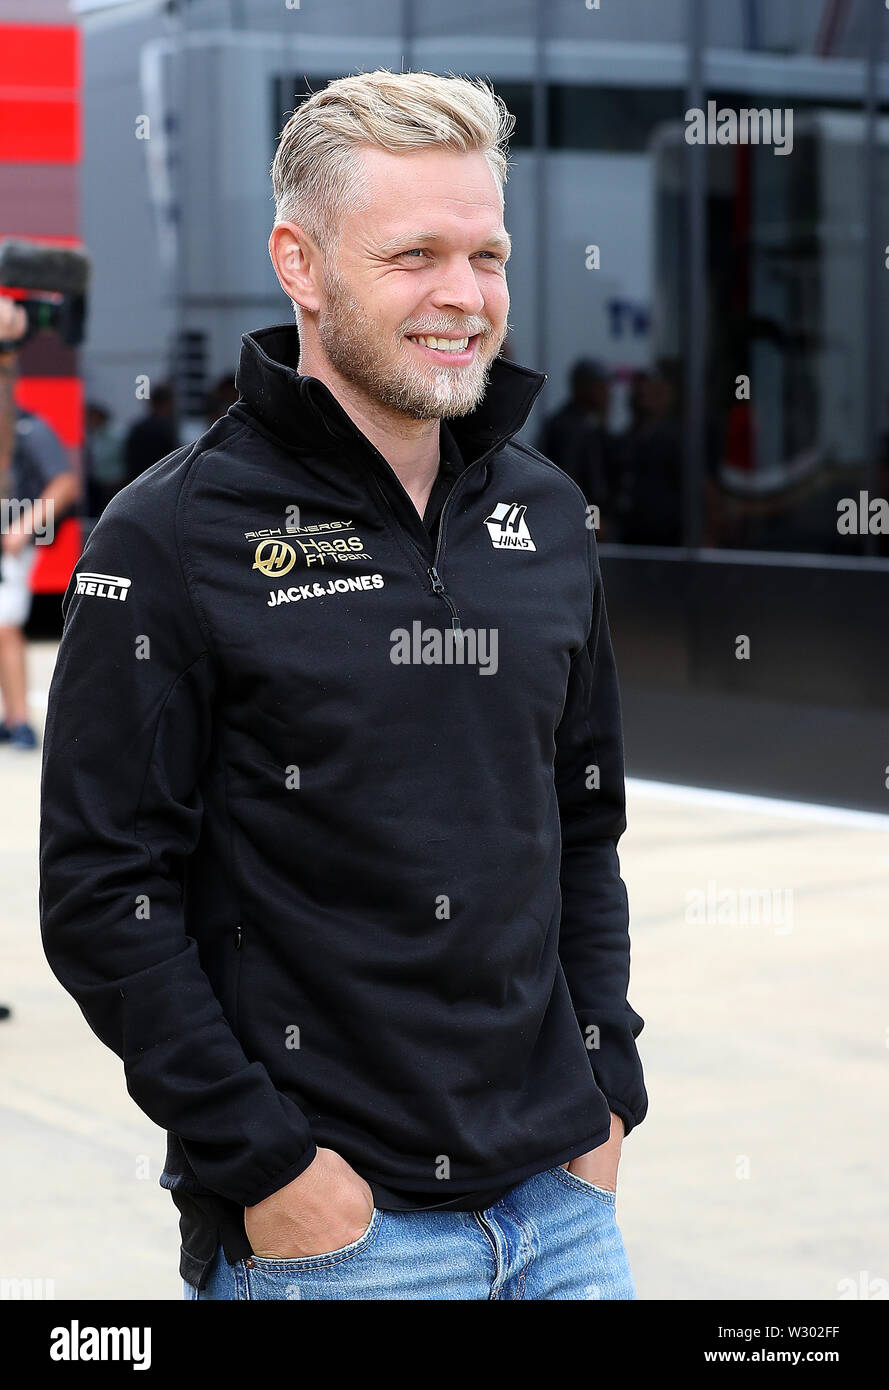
{"x":604,"y":1194}
{"x":327,"y":1257}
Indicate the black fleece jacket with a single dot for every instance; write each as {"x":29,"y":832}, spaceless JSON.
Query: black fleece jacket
{"x":330,"y":804}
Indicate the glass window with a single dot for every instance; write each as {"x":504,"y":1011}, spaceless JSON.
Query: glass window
{"x":519,"y":98}
{"x":608,"y":118}
{"x":837,"y":29}
{"x":614,"y":402}
{"x":786,"y":331}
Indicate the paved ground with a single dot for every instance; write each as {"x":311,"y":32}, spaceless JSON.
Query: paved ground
{"x":760,"y":1171}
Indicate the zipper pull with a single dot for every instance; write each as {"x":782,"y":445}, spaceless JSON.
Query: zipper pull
{"x":238,"y":936}
{"x":439,"y":588}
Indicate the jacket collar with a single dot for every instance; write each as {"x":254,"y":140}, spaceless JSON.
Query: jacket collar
{"x":305,"y":415}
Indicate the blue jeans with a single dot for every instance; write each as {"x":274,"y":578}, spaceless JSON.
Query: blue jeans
{"x":554,"y":1236}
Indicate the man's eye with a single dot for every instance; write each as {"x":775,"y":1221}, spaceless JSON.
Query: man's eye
{"x":419,"y":251}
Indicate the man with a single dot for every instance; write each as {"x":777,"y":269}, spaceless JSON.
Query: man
{"x":37,"y":487}
{"x":104,"y":458}
{"x":650,"y":503}
{"x":333,"y":777}
{"x":221,"y":395}
{"x":576,"y":438}
{"x":153,"y":437}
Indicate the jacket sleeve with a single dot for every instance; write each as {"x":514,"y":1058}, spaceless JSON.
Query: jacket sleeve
{"x":128,"y":730}
{"x":594,"y":942}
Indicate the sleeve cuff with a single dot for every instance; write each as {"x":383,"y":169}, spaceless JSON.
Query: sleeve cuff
{"x":630,"y":1120}
{"x":274,"y":1184}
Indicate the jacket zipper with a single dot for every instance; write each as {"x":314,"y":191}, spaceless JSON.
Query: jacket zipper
{"x":432,"y":571}
{"x":239,"y":941}
{"x":439,"y":588}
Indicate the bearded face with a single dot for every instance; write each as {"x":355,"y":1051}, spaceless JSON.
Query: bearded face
{"x":401,"y":369}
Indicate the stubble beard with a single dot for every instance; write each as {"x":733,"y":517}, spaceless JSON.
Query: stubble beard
{"x":380,"y":367}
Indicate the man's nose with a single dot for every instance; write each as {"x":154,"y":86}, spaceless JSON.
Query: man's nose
{"x":459,"y":289}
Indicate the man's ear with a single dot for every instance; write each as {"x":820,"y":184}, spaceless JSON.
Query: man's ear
{"x":298,"y":264}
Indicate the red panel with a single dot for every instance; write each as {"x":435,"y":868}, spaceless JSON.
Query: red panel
{"x":54,"y":564}
{"x":39,"y":55}
{"x":39,"y":132}
{"x":51,"y":241}
{"x":58,"y":400}
{"x":40,"y":78}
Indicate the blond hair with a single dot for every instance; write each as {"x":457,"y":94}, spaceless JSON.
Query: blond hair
{"x":316,"y":173}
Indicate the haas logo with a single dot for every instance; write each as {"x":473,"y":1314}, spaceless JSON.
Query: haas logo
{"x":508,"y":528}
{"x":274,"y":558}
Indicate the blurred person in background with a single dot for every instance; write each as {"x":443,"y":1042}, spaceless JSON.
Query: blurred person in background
{"x":576,"y":437}
{"x":103,"y":458}
{"x":624,"y":444}
{"x":38,"y":487}
{"x":154,"y":436}
{"x":649,"y":503}
{"x":635,"y":402}
{"x":220,"y":396}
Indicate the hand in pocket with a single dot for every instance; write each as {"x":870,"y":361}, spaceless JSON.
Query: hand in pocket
{"x":328,"y":1206}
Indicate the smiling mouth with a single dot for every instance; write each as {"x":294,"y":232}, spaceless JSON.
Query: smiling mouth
{"x":446,"y":347}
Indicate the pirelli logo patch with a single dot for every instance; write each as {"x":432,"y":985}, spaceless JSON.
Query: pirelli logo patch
{"x":102,"y":585}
